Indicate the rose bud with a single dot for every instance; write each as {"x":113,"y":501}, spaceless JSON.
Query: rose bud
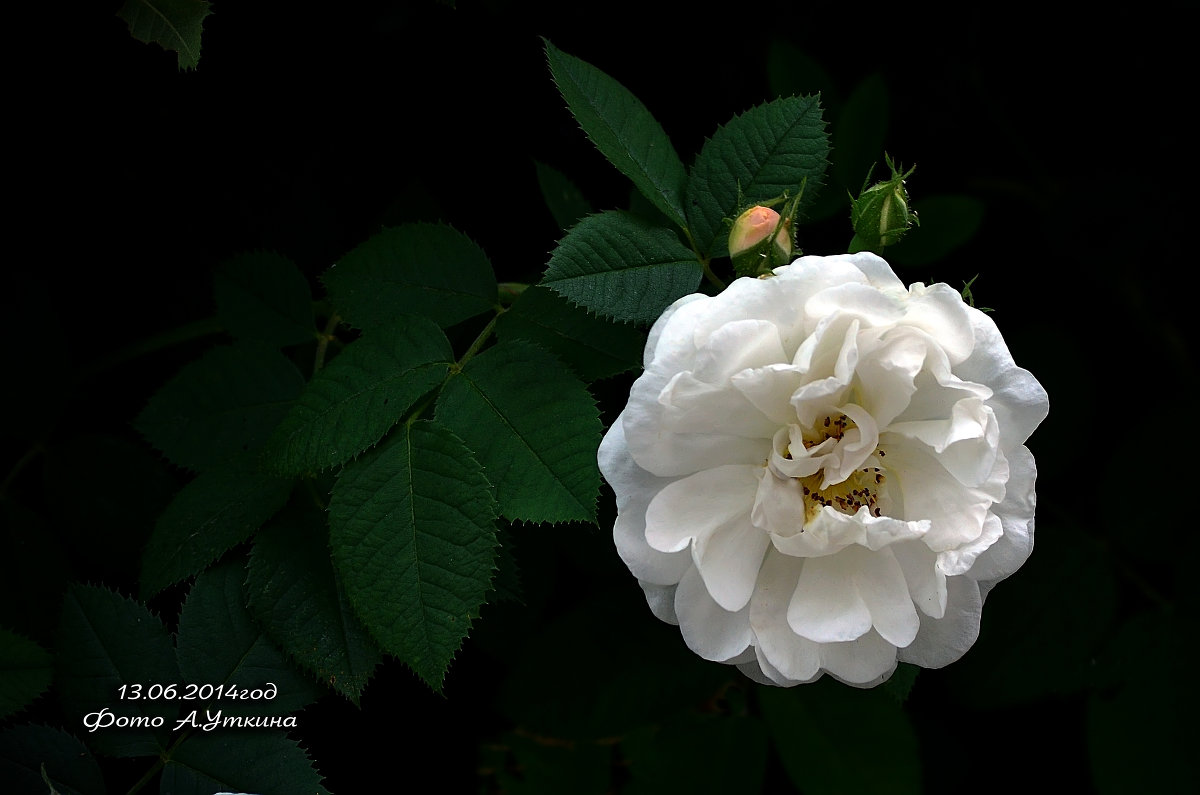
{"x":760,"y":241}
{"x":881,"y":214}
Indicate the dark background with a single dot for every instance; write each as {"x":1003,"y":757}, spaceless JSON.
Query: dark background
{"x":305,"y":130}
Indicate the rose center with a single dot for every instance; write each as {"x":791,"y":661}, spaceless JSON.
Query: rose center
{"x":860,"y":489}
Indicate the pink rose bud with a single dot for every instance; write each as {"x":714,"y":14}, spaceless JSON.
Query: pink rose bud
{"x":750,"y":241}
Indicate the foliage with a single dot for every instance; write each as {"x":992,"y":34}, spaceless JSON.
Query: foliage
{"x":384,"y":470}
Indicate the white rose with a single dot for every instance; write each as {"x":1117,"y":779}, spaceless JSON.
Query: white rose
{"x":825,"y":471}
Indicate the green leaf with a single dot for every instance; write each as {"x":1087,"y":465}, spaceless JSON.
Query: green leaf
{"x":297,"y":595}
{"x":833,"y":739}
{"x":623,"y":130}
{"x":264,"y":296}
{"x":172,"y":24}
{"x":209,"y":516}
{"x":34,"y":758}
{"x":219,"y":644}
{"x":224,"y":404}
{"x":25,"y":672}
{"x":106,"y":641}
{"x":591,"y":346}
{"x":412,"y":527}
{"x":768,"y":150}
{"x":947,"y":222}
{"x":564,"y":200}
{"x":415,"y":269}
{"x":622,"y":267}
{"x":533,"y":426}
{"x":265,"y":763}
{"x":354,"y":400}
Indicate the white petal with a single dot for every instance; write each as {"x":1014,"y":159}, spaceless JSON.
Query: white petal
{"x":712,"y":508}
{"x":941,"y":641}
{"x":940,"y":311}
{"x":1019,"y":401}
{"x":793,"y":657}
{"x":888,"y":365}
{"x":926,"y":583}
{"x":708,"y":629}
{"x":876,"y":269}
{"x":729,"y":561}
{"x":868,"y":304}
{"x":960,"y":560}
{"x":826,"y":606}
{"x":884,"y":589}
{"x":698,"y":505}
{"x":956,"y":512}
{"x":865,"y":662}
{"x":668,"y":454}
{"x":634,"y":488}
{"x":660,"y":326}
{"x":1016,"y":516}
{"x":661,"y":599}
{"x":763,"y":672}
{"x":736,"y":346}
{"x":769,"y":389}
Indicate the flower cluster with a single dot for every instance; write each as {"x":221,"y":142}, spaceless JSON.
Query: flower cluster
{"x":822,"y":470}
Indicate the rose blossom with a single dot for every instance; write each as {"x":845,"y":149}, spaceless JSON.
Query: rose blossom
{"x":825,"y":471}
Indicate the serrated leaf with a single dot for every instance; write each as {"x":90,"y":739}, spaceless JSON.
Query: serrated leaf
{"x":209,"y":516}
{"x":767,"y":151}
{"x":172,"y":24}
{"x":564,"y":200}
{"x":264,"y":296}
{"x":298,"y":597}
{"x":106,"y":641}
{"x":810,"y":727}
{"x":354,"y":400}
{"x":25,"y":672}
{"x":590,"y":345}
{"x":265,"y":763}
{"x":219,"y":644}
{"x":533,"y":426}
{"x":623,"y":130}
{"x":412,"y":527}
{"x":415,"y":269}
{"x":222,"y":405}
{"x":622,"y":267}
{"x":33,"y":758}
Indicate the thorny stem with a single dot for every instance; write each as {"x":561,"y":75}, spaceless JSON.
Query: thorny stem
{"x":482,"y":338}
{"x":511,"y":291}
{"x":457,"y":366}
{"x":323,"y":341}
{"x":712,"y":277}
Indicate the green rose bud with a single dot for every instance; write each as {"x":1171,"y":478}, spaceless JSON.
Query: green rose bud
{"x":760,"y":241}
{"x":881,"y":213}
